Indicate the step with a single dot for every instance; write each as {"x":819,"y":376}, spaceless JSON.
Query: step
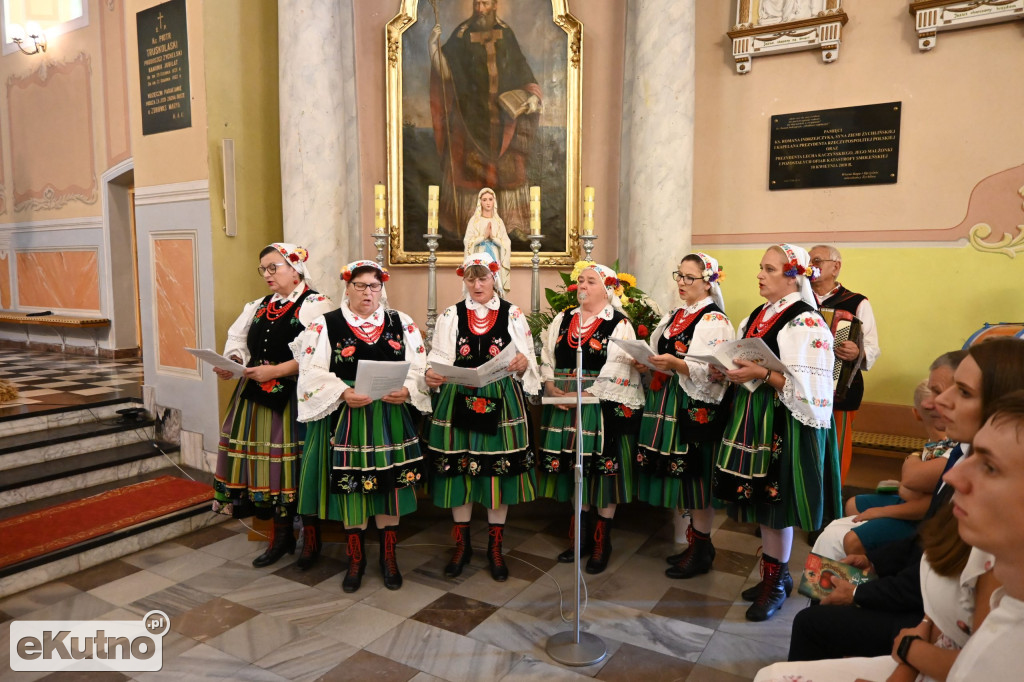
{"x":98,"y":550}
{"x":35,"y":447}
{"x":63,"y":416}
{"x":37,"y":481}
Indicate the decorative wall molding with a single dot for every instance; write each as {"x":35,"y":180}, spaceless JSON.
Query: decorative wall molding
{"x":822,"y":31}
{"x":932,"y":16}
{"x":1008,"y":245}
{"x":194,"y":190}
{"x":34,"y":226}
{"x":167,"y":321}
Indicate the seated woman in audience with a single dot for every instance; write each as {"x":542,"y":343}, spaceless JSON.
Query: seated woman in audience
{"x":873,"y":520}
{"x":362,"y":456}
{"x":778,"y":463}
{"x":991,"y":370}
{"x":478,"y":440}
{"x":609,"y":429}
{"x":682,"y":420}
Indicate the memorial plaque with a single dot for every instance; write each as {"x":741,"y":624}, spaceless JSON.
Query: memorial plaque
{"x":163,"y":67}
{"x":835,"y":147}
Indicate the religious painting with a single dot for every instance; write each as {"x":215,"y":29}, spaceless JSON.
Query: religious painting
{"x":483,"y":94}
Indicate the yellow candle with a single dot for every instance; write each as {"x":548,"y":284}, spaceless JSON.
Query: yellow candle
{"x":535,"y":193}
{"x":535,"y":216}
{"x":379,"y":207}
{"x":588,"y":210}
{"x":432,"y":202}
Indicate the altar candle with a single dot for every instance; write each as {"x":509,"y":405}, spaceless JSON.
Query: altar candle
{"x":535,"y":216}
{"x":588,"y":210}
{"x":535,"y":193}
{"x":379,"y":204}
{"x":432,"y":201}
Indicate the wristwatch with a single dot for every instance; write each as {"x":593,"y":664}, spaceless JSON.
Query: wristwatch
{"x":904,"y":648}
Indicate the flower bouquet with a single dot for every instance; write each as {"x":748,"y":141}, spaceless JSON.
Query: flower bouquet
{"x":642,"y":312}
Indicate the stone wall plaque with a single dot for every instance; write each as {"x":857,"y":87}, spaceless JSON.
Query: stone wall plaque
{"x":835,"y":147}
{"x":163,"y":67}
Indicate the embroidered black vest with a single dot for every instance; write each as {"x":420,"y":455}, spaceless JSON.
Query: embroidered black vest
{"x":771,"y":337}
{"x":701,"y":418}
{"x":844,"y":299}
{"x":347,"y":348}
{"x":472,"y":350}
{"x":670,"y":344}
{"x":595,"y":350}
{"x":267,"y":342}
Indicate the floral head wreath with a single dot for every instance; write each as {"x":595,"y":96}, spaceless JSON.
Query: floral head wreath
{"x":710,"y":274}
{"x":794,"y":268}
{"x":346,"y":272}
{"x":483,"y":259}
{"x":611,"y":279}
{"x":292,"y":253}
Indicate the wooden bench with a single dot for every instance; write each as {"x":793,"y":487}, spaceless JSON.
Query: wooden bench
{"x":886,"y":444}
{"x":60,"y":323}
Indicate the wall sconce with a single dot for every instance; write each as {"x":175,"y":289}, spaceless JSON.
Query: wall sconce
{"x":32,"y":35}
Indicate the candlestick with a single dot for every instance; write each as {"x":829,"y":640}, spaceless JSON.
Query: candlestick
{"x":588,"y":210}
{"x":380,"y":221}
{"x":432,"y":241}
{"x":535,"y":238}
{"x":432,"y":202}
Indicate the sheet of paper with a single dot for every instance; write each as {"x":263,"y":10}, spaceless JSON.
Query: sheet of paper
{"x":754,"y":350}
{"x":639,"y":351}
{"x":376,"y":379}
{"x":475,"y":377}
{"x":217,"y":360}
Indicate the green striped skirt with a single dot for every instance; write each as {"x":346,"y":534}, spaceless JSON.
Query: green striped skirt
{"x":258,"y":454}
{"x":370,"y":466}
{"x":675,"y":449}
{"x":473,"y":466}
{"x":608,"y":451}
{"x":773,"y":470}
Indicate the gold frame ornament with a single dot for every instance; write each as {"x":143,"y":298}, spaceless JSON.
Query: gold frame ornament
{"x":562,"y":253}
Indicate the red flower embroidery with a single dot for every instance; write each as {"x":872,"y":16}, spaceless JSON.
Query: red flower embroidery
{"x":347,"y":351}
{"x":609,"y":465}
{"x":642,"y":331}
{"x":701,"y":416}
{"x":464,"y":350}
{"x":626,"y":412}
{"x":681,"y":347}
{"x":293,"y":257}
{"x":554,"y":465}
{"x":268,"y":386}
{"x":411,"y":328}
{"x":493,"y":350}
{"x":480,"y":405}
{"x":394,"y":344}
{"x":595,"y":344}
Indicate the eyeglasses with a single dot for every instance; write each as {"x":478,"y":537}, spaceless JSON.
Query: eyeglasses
{"x":363,"y":286}
{"x":272,"y":268}
{"x":686,"y":279}
{"x":819,"y":261}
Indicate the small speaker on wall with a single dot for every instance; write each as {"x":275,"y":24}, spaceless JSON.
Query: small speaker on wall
{"x":228,"y":159}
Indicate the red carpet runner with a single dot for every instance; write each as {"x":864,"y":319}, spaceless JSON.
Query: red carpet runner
{"x":37,"y":533}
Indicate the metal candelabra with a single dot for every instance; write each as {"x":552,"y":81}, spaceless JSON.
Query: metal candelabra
{"x":588,"y":244}
{"x":432,"y":241}
{"x":535,"y":263}
{"x":380,"y":240}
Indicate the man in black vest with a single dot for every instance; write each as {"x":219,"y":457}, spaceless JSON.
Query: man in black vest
{"x":833,"y":296}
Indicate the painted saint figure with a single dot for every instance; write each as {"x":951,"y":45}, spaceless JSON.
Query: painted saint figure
{"x":486,"y":233}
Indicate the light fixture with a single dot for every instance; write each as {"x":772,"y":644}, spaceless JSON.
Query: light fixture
{"x":32,"y":35}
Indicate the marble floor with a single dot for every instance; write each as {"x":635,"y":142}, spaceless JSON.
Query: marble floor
{"x":230,"y":621}
{"x":55,"y":381}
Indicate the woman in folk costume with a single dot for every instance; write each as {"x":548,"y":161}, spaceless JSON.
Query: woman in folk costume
{"x":778,"y":461}
{"x":609,"y":429}
{"x":260,"y":440}
{"x":486,"y":233}
{"x":478,"y":440}
{"x":683,"y":420}
{"x":362,"y":457}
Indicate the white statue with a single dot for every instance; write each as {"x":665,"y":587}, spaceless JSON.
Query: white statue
{"x":779,"y":11}
{"x":486,"y":232}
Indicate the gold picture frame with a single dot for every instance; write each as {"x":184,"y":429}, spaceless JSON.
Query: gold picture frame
{"x":414,"y":159}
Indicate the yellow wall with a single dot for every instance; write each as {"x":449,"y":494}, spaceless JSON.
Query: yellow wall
{"x":241,"y":42}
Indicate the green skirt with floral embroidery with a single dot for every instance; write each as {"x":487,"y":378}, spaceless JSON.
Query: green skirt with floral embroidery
{"x":370,"y":466}
{"x":608,"y":452}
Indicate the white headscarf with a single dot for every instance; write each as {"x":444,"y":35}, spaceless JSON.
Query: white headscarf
{"x":346,"y":276}
{"x":484,"y":259}
{"x":711,"y":274}
{"x":294,"y":255}
{"x":611,"y":280}
{"x":799,"y":266}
